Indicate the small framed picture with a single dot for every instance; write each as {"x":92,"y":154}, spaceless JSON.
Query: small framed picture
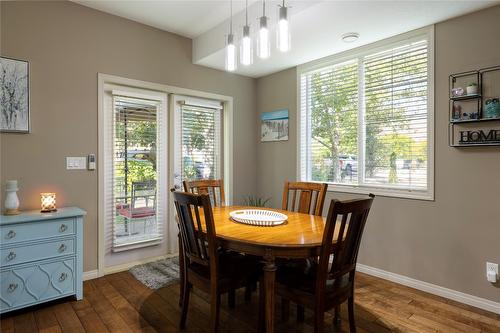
{"x":274,"y":126}
{"x":14,"y":96}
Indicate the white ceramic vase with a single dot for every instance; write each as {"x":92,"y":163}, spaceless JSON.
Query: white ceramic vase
{"x":471,"y":90}
{"x":11,"y":200}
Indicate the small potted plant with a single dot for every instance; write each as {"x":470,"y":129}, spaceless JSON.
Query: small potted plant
{"x":472,"y":88}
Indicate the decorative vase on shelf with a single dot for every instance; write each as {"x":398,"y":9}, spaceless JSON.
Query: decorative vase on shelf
{"x":491,"y":108}
{"x":472,"y":89}
{"x":11,"y":199}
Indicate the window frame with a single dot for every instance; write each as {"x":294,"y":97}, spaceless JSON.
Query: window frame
{"x":359,"y":54}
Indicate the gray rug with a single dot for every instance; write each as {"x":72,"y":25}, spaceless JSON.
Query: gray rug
{"x":157,"y":274}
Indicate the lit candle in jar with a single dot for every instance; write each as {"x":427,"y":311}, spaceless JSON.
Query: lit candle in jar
{"x":48,"y":202}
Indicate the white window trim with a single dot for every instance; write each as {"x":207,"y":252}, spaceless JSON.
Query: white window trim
{"x":170,"y":229}
{"x":428,"y":33}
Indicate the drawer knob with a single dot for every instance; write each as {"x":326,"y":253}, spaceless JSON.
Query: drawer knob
{"x":63,"y":228}
{"x":11,"y":256}
{"x":11,"y":234}
{"x":12,"y":287}
{"x":63,"y":277}
{"x":62,"y":248}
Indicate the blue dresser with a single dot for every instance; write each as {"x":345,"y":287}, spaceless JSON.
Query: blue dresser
{"x":40,"y":257}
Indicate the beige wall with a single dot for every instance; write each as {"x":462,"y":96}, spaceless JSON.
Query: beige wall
{"x":446,"y":242}
{"x":67,"y":45}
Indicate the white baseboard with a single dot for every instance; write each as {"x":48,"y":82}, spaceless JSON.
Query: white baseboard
{"x":128,"y":265}
{"x":89,"y":275}
{"x":458,"y":296}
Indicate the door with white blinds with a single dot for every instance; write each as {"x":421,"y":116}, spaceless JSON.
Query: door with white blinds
{"x":135,"y":175}
{"x":364,"y":122}
{"x":197,"y":139}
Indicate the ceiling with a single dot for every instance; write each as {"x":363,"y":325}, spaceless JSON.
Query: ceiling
{"x":317,"y":26}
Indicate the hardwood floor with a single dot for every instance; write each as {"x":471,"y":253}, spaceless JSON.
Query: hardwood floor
{"x":120,"y":303}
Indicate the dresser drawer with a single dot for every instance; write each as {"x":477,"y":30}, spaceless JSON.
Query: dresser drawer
{"x":26,"y":285}
{"x":14,"y":255}
{"x":14,"y":233}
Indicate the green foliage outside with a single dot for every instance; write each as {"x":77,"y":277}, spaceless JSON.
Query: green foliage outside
{"x":334,"y":119}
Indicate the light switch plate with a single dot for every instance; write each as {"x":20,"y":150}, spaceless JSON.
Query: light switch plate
{"x":76,"y":163}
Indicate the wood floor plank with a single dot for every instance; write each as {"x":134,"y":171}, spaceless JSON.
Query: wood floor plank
{"x":88,"y":317}
{"x":25,"y":322}
{"x":120,"y":303}
{"x":46,"y":320}
{"x":7,"y":325}
{"x":67,"y":318}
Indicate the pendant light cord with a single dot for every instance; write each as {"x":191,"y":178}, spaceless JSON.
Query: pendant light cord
{"x":231,"y":17}
{"x":246,"y":12}
{"x":263,"y":7}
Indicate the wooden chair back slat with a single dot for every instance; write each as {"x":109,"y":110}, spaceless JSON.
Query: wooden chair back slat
{"x":311,"y":197}
{"x":349,"y":219}
{"x":214,"y":188}
{"x":199,"y":247}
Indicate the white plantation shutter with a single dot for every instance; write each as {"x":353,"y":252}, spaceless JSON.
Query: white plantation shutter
{"x":396,"y":110}
{"x":331,"y":121}
{"x":138,"y":186}
{"x":364,"y":122}
{"x":198,"y":142}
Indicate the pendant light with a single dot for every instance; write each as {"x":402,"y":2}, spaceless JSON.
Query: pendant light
{"x":246,"y":52}
{"x":263,"y":42}
{"x":283,"y":31}
{"x":231,"y":62}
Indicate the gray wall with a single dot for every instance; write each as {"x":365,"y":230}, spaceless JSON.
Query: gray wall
{"x":446,"y":242}
{"x":67,"y":45}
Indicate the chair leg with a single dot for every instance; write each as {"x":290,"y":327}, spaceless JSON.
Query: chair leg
{"x":185,"y":304}
{"x":300,"y":313}
{"x":182,"y":274}
{"x":248,"y":293}
{"x":231,"y":298}
{"x":350,"y":305}
{"x":262,"y":314}
{"x":214,"y":312}
{"x":319,"y":321}
{"x":336,"y":318}
{"x":285,"y":309}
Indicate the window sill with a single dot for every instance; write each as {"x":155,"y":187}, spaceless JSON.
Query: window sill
{"x":137,"y":244}
{"x":383,"y":192}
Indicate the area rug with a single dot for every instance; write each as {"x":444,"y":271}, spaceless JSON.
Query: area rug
{"x":157,"y":274}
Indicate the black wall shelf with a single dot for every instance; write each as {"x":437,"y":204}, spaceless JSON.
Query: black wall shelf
{"x":475,"y":76}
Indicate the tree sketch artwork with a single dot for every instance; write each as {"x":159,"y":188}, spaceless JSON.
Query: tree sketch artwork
{"x":274,"y":126}
{"x":14,"y":97}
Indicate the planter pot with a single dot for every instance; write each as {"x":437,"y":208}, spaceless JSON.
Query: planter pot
{"x":472,"y":90}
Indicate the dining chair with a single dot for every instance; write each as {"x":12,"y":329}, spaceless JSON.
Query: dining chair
{"x":311,"y":197}
{"x":205,"y":266}
{"x":213,"y":187}
{"x":324,"y":285}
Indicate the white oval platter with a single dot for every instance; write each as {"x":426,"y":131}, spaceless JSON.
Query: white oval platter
{"x":259,"y":217}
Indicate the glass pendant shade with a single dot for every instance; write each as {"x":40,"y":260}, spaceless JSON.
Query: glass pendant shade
{"x":263,"y":42}
{"x":283,"y":30}
{"x":246,"y":50}
{"x":231,"y":62}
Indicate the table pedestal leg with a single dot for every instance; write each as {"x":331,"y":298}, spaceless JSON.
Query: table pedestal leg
{"x":269,"y":287}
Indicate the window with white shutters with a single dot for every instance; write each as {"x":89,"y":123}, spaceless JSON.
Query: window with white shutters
{"x":198,"y":142}
{"x":365,"y":122}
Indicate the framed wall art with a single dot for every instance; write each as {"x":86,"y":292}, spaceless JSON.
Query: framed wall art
{"x":14,"y":96}
{"x":274,"y":126}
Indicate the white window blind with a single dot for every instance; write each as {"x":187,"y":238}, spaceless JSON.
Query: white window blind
{"x":198,"y":140}
{"x":136,"y":171}
{"x":364,"y":122}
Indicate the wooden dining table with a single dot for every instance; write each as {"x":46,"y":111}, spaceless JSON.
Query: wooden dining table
{"x":299,"y":237}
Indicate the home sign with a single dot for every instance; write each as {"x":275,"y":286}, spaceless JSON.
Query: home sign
{"x":480,"y":136}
